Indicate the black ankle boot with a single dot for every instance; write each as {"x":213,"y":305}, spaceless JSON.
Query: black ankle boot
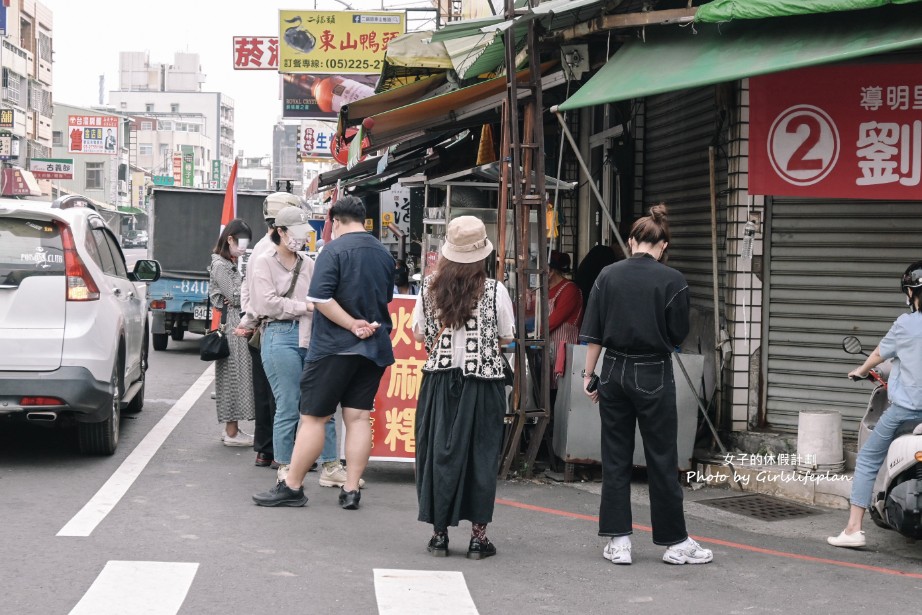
{"x":479,"y":549}
{"x":438,"y":545}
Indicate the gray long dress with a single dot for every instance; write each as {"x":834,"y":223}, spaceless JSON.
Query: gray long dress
{"x":233,"y":375}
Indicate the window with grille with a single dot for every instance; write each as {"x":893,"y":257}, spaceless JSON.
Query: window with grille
{"x":47,"y":107}
{"x":94,"y":175}
{"x":147,"y":125}
{"x":44,"y":46}
{"x":145,"y":149}
{"x":35,"y":96}
{"x":37,"y":150}
{"x":11,"y":86}
{"x":165,"y":125}
{"x":57,"y":138}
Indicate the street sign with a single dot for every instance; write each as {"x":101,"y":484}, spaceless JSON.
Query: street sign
{"x":52,"y":168}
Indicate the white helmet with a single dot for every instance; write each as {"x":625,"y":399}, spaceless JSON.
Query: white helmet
{"x":276,"y":202}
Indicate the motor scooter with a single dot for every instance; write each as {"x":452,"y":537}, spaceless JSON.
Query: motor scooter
{"x":896,"y":500}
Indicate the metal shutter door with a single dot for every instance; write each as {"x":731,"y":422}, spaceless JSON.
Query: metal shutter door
{"x":834,"y":270}
{"x":679,"y":127}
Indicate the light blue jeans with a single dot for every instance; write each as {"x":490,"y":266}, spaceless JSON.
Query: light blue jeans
{"x":283,"y":360}
{"x":874,"y":452}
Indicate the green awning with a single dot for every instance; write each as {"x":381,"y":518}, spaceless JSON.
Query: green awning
{"x":677,"y":58}
{"x":726,"y":10}
{"x":131,"y":211}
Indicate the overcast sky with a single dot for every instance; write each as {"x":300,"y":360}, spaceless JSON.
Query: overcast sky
{"x":89,"y":34}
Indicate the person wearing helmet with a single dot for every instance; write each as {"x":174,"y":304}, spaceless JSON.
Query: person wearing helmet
{"x":902,"y":344}
{"x":262,"y":391}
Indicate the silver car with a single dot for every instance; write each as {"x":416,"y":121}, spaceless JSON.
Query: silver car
{"x":73,"y":321}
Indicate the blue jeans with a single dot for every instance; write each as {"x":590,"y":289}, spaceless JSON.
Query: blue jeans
{"x":872,"y":454}
{"x":283,"y":360}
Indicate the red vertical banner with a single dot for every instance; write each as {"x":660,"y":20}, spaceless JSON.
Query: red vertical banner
{"x":393,"y":423}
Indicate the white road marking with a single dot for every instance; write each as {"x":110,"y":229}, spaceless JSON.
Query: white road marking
{"x":422,"y":592}
{"x":138,"y":588}
{"x":92,"y":514}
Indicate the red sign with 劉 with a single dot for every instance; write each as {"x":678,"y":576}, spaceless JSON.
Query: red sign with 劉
{"x":837,"y":131}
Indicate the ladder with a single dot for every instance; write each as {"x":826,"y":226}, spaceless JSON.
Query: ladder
{"x":522,"y":188}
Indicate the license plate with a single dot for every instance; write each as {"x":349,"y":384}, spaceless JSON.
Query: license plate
{"x":201,"y":312}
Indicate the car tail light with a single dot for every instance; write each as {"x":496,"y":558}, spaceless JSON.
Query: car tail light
{"x":158,"y":304}
{"x":80,"y":284}
{"x":40,"y":401}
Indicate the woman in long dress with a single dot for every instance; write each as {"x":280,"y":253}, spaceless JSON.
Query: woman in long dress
{"x":462,"y":316}
{"x":233,"y":375}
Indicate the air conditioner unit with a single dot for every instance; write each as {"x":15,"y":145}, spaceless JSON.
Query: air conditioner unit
{"x":122,"y":186}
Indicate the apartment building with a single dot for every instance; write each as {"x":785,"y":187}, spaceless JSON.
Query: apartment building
{"x":172,"y":114}
{"x":26,"y":106}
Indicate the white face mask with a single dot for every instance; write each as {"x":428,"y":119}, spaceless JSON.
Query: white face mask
{"x":239,"y":246}
{"x":295,"y":245}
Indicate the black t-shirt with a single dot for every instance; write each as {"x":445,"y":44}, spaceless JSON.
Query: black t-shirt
{"x":358,"y":272}
{"x":637,"y":306}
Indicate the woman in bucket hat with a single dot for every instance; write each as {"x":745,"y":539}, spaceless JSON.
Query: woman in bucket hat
{"x":462,"y":316}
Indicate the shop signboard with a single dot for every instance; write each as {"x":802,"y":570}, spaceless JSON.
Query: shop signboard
{"x":393,"y":422}
{"x":336,"y":42}
{"x":92,"y":134}
{"x":7,"y":118}
{"x":837,"y":131}
{"x":216,"y":171}
{"x":188,"y":166}
{"x":315,"y":139}
{"x":6,"y":146}
{"x":52,"y":168}
{"x":256,"y":53}
{"x":395,"y":209}
{"x":177,"y":168}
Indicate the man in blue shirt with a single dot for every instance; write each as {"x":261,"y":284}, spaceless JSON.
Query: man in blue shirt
{"x":349,"y":351}
{"x":903,"y":344}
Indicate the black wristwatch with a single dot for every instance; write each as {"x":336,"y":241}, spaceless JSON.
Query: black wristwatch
{"x":585,"y":375}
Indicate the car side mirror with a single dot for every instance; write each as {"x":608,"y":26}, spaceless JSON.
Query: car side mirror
{"x":145,"y":270}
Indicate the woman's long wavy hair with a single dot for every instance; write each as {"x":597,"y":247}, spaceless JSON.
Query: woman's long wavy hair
{"x":455,"y":290}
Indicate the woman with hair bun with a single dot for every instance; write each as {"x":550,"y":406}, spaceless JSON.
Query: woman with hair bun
{"x":638,"y":313}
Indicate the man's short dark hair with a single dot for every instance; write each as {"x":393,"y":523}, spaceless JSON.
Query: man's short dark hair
{"x":348,"y":209}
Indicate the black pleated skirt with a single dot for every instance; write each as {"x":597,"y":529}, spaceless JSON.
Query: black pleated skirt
{"x":459,"y":435}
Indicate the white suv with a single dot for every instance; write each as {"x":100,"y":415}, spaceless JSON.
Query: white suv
{"x":73,"y":320}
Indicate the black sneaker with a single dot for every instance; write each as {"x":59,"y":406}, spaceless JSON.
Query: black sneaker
{"x":349,"y":500}
{"x":438,"y":545}
{"x":281,"y":495}
{"x":480,"y":549}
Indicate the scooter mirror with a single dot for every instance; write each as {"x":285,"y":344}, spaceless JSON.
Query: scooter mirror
{"x":852,"y":345}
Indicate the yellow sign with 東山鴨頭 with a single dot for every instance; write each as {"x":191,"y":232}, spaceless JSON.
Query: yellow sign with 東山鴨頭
{"x":336,"y":41}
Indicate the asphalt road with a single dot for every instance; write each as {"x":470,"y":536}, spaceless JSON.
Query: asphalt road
{"x":189,"y":510}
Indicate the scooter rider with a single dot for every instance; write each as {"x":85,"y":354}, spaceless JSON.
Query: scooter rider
{"x":903,"y":344}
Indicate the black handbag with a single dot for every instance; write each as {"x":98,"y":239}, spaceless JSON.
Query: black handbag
{"x":214,"y":345}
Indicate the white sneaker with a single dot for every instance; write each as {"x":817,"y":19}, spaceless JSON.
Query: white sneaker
{"x":688,"y":552}
{"x":850,"y":541}
{"x":240,"y":439}
{"x":335,"y":476}
{"x":617,"y":552}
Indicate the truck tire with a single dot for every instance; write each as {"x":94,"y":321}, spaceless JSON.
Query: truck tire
{"x":160,"y":340}
{"x":177,"y":333}
{"x":102,"y":438}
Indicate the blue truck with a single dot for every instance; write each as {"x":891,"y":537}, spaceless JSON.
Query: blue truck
{"x":184,"y":227}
